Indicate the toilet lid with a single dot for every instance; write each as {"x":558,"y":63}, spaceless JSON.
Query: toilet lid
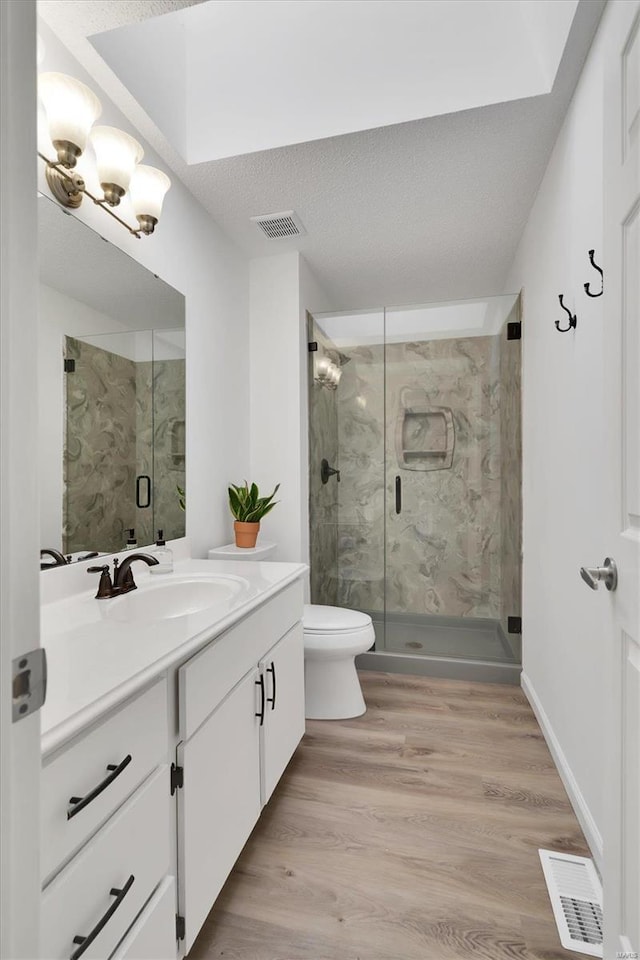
{"x":321,"y":619}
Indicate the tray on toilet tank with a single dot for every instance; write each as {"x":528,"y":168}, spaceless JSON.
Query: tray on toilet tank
{"x":263,"y":551}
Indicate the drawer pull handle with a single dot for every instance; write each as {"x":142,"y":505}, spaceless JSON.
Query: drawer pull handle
{"x":84,"y":943}
{"x":81,"y":802}
{"x":272,"y":670}
{"x":260,"y":683}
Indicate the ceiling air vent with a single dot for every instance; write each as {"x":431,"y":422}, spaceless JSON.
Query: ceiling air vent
{"x":576,"y":897}
{"x":279,"y":226}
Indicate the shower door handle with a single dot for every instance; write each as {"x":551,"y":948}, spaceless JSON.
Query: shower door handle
{"x":398,"y":495}
{"x":143,"y":478}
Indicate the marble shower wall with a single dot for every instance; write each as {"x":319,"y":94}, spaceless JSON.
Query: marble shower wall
{"x":100,"y":449}
{"x":124,"y":419}
{"x":443,"y":550}
{"x":143,"y":516}
{"x":361,"y":447}
{"x":168,"y":445}
{"x":323,"y":498}
{"x":451,"y":547}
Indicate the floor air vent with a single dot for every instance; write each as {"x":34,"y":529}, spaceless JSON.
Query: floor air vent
{"x":576,"y":897}
{"x":279,"y":226}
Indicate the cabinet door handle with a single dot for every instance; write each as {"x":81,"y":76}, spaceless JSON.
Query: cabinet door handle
{"x":79,"y":803}
{"x":272,"y":670}
{"x":260,"y":683}
{"x":398,"y":494}
{"x":85,"y":942}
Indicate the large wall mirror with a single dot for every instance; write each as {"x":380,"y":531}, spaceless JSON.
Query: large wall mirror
{"x":112,"y":393}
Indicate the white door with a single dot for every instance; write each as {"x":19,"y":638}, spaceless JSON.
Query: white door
{"x":622,"y":374}
{"x":19,"y":573}
{"x":283,"y":727}
{"x":220,"y":801}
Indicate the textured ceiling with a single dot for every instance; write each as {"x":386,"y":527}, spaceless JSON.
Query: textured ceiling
{"x":427,"y":210}
{"x":85,"y":17}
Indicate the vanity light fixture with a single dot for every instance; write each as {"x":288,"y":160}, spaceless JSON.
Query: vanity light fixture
{"x":147,"y":191}
{"x":116,"y":157}
{"x":72,"y":109}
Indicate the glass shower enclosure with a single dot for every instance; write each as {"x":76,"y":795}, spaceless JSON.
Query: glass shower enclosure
{"x":415,"y":481}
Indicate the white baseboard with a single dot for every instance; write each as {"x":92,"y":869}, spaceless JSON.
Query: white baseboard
{"x":578,"y":802}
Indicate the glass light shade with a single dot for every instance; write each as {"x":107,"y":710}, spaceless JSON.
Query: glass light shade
{"x":323,"y":366}
{"x":147,"y":191}
{"x":116,"y":156}
{"x":71,"y":109}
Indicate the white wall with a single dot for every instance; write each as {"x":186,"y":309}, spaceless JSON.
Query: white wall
{"x":192,"y":254}
{"x":564,"y":425}
{"x":282,"y":289}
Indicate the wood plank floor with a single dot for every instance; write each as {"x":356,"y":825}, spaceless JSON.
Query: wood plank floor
{"x":410,"y":833}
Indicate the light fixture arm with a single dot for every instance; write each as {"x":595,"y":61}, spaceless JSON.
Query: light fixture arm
{"x":68,"y":188}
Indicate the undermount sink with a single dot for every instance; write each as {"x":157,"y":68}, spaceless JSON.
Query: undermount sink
{"x":164,"y":599}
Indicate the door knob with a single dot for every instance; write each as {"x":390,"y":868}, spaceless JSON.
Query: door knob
{"x":607,"y":573}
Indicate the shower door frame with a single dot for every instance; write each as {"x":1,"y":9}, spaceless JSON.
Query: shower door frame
{"x":379,"y":658}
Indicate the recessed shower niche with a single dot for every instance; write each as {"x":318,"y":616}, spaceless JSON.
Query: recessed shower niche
{"x":425,"y":435}
{"x":424,"y":529}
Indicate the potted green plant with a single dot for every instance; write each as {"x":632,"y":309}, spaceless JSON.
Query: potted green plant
{"x":248,"y":508}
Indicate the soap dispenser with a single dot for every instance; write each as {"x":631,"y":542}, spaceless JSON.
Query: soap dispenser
{"x":131,"y":543}
{"x":163,"y":555}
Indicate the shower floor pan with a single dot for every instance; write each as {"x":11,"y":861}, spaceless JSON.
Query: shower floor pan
{"x":454,"y":647}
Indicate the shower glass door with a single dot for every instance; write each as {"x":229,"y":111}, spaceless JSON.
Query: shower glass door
{"x":452,"y":480}
{"x":415,"y":477}
{"x":346,"y":462}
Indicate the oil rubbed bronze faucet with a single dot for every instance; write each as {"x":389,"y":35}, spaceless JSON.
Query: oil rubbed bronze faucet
{"x":59,"y":559}
{"x":123,"y":581}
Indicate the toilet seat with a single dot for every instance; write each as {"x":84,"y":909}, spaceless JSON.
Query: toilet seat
{"x":318,"y":618}
{"x":332,"y":633}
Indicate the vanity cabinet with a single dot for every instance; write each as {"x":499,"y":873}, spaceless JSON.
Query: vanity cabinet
{"x":93,"y":901}
{"x":219,"y":803}
{"x":232,"y":761}
{"x":146,"y":810}
{"x":106,"y":829}
{"x":283,"y":676}
{"x":86,"y":781}
{"x":153,"y":935}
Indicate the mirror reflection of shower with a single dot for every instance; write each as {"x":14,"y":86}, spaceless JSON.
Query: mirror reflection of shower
{"x":424,"y":530}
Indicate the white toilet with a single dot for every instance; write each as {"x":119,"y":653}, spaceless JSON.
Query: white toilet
{"x":333,"y":636}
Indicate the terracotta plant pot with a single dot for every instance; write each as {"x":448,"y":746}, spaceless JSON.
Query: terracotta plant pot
{"x":246,"y":533}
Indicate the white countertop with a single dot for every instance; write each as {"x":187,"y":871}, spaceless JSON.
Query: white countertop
{"x":95,"y":663}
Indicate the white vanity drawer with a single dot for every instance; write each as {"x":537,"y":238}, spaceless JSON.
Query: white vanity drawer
{"x":96,"y":767}
{"x":153,"y":935}
{"x":134,"y":844}
{"x":209,"y":676}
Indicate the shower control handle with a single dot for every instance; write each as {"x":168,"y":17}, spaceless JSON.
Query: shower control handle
{"x":607,"y":573}
{"x":326,"y":471}
{"x":398,"y":494}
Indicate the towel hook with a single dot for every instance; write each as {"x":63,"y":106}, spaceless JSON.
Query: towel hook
{"x":600,"y":271}
{"x":573,"y":319}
